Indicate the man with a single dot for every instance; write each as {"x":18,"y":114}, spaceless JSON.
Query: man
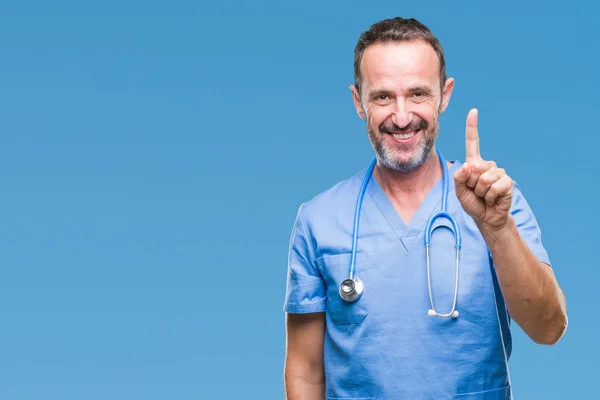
{"x":391,"y":342}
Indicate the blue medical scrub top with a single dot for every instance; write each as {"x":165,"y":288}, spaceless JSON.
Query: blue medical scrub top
{"x":385,"y":346}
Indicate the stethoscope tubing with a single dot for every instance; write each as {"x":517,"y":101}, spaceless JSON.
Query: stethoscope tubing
{"x":351,"y":288}
{"x":357,"y":210}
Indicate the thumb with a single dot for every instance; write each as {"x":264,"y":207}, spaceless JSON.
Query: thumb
{"x":460,"y":179}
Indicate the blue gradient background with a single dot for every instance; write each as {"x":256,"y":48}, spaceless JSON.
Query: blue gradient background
{"x":154,"y":154}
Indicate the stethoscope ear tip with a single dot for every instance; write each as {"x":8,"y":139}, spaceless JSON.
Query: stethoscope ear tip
{"x":432,"y":313}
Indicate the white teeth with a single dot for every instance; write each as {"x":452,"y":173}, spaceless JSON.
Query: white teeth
{"x":403,"y":135}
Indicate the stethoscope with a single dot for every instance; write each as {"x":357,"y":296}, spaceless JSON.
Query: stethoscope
{"x":352,"y":287}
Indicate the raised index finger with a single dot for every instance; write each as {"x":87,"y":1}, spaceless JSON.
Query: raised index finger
{"x":472,"y":136}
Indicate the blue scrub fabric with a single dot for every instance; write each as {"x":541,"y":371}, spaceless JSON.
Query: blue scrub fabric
{"x":385,"y":346}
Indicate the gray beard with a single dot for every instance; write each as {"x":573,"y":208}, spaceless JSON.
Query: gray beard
{"x":385,"y":155}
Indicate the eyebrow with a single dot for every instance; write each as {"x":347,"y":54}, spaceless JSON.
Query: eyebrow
{"x":424,"y":89}
{"x":413,"y":89}
{"x":378,"y":92}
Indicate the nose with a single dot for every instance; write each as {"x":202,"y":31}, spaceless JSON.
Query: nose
{"x":401,"y":115}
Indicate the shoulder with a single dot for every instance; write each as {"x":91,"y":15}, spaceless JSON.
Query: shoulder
{"x":522,"y":211}
{"x":519,"y":202}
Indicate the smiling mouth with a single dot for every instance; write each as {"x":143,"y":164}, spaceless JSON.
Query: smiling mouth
{"x":404,"y":136}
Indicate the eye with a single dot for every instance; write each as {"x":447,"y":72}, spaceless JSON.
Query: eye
{"x":420,"y":96}
{"x":383,"y":98}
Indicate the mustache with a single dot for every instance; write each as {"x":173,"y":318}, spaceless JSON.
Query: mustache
{"x":413,"y":126}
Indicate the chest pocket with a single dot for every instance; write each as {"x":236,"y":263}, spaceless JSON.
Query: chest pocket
{"x":335,"y":268}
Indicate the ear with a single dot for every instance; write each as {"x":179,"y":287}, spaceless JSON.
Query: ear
{"x":357,"y":103}
{"x":449,"y":85}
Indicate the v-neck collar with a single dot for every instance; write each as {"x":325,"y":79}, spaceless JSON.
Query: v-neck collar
{"x":431,"y":203}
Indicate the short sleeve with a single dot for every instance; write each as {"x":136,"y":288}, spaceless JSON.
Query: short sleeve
{"x":527,"y":225}
{"x":305,"y":287}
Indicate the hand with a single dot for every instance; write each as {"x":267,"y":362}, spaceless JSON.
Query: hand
{"x":483,"y":189}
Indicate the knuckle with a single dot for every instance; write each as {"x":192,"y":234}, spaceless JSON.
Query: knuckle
{"x":489,"y":177}
{"x":477,"y":165}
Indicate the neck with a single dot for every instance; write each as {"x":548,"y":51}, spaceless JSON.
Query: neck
{"x":409,"y":189}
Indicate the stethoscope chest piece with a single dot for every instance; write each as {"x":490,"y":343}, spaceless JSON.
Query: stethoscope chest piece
{"x":351,"y":289}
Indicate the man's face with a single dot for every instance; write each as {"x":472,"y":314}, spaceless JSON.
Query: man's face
{"x":401,"y":101}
